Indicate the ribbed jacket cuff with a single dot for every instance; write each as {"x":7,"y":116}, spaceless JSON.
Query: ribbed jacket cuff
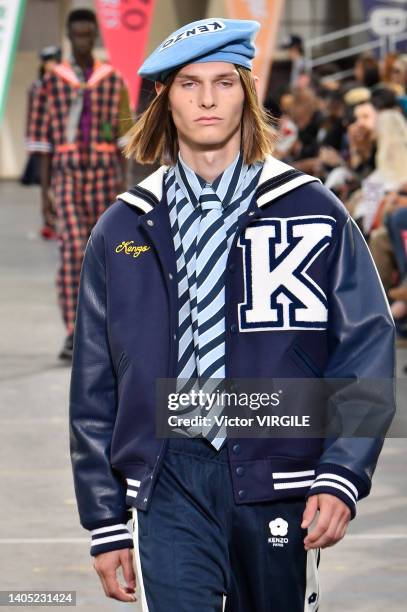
{"x":341,"y":482}
{"x":110,"y":537}
{"x":37,"y":146}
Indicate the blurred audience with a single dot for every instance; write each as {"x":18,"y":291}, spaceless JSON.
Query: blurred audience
{"x":366,"y":71}
{"x":390,"y":133}
{"x":394,"y":73}
{"x":299,"y":65}
{"x":352,"y":134}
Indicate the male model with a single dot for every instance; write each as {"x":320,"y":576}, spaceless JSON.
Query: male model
{"x":81,"y":114}
{"x":224,"y":263}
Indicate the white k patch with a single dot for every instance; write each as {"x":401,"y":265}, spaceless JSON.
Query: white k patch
{"x":279,"y":293}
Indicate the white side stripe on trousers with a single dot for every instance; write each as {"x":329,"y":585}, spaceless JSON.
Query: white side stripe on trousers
{"x":144,"y":606}
{"x":312,"y":598}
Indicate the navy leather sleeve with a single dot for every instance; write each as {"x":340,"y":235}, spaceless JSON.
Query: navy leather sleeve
{"x":361,"y":335}
{"x":100,"y":493}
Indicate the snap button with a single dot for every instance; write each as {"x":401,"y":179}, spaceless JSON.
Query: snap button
{"x":150,"y":222}
{"x":145,"y":499}
{"x":233,"y":328}
{"x":251,"y":213}
{"x":175,"y":336}
{"x":240,"y":470}
{"x":241,"y":493}
{"x":170,"y":276}
{"x":236,"y":448}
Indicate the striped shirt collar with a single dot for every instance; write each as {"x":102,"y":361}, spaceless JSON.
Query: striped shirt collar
{"x":225,"y":185}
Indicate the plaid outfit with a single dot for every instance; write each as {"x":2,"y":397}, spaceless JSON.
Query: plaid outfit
{"x":85,"y":173}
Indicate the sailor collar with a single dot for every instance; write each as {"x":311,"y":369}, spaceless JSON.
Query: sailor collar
{"x":276,"y":179}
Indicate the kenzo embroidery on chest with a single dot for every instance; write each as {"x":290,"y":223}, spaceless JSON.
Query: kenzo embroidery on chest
{"x":279,"y":293}
{"x":129,"y":248}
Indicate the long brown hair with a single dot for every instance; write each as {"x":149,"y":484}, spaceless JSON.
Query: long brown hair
{"x":153,"y":138}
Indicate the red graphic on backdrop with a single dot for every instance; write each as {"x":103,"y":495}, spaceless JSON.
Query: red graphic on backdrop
{"x":125,"y":26}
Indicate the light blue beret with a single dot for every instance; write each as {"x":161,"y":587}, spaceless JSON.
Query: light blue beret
{"x":207,"y":40}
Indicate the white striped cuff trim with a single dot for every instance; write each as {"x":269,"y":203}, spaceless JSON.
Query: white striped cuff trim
{"x":107,"y":529}
{"x":122,"y":536}
{"x":293,"y":474}
{"x":135,"y":483}
{"x":132,"y":486}
{"x":293,"y":485}
{"x":341,"y":479}
{"x":334,"y":485}
{"x":38,"y":146}
{"x":131,"y":493}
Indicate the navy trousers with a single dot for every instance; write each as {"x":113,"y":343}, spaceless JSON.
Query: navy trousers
{"x":198,"y":551}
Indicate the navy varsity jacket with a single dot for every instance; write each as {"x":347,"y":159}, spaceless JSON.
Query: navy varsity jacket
{"x":295,"y":239}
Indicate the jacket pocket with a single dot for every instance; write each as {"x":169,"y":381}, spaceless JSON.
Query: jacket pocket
{"x":304,"y":361}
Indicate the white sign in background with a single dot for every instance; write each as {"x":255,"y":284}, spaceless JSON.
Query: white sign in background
{"x":388,"y":21}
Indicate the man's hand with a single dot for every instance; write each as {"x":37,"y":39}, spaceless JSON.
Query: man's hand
{"x":330,"y":157}
{"x":333,"y":520}
{"x":106,"y":565}
{"x":360,"y":143}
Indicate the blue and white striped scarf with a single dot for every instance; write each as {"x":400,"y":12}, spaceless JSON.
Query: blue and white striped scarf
{"x":235,"y":187}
